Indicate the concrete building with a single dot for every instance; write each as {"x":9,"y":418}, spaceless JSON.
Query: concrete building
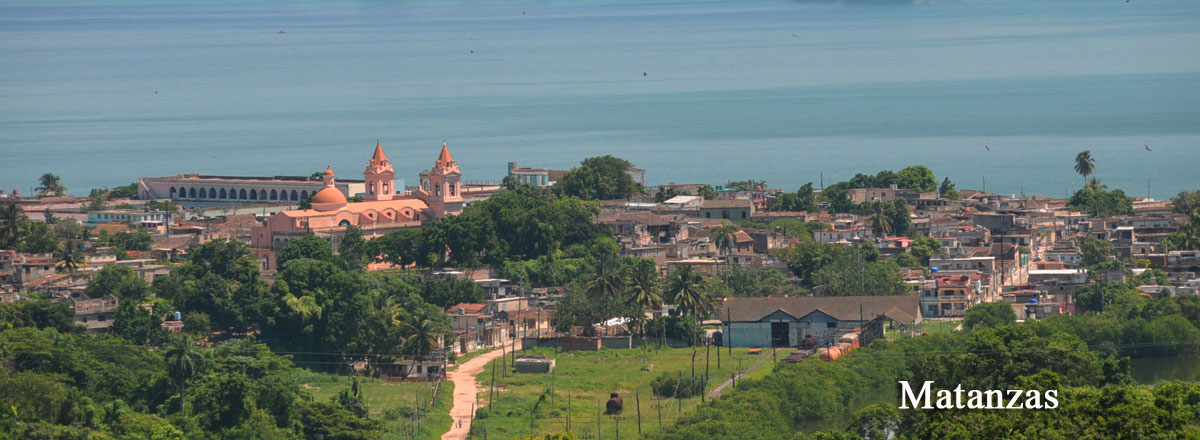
{"x":534,"y":176}
{"x":239,"y":189}
{"x":731,"y":209}
{"x":142,"y":218}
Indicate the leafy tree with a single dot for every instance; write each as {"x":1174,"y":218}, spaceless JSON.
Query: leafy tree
{"x":352,"y":400}
{"x":69,"y":228}
{"x":838,"y":197}
{"x":598,"y":178}
{"x":917,"y":178}
{"x":750,"y":282}
{"x":1186,"y":202}
{"x":1085,"y":164}
{"x":37,"y":238}
{"x":746,"y":185}
{"x":38,"y":314}
{"x":124,"y":192}
{"x":12,"y":220}
{"x":118,"y":281}
{"x":197,"y":323}
{"x":353,"y":250}
{"x":310,"y":246}
{"x":706,"y":191}
{"x":50,"y":185}
{"x":221,"y":279}
{"x":1094,"y":251}
{"x":947,"y":190}
{"x":138,"y":325}
{"x":97,"y":199}
{"x":991,"y":314}
{"x":923,"y":248}
{"x":1101,"y":203}
{"x":331,"y":421}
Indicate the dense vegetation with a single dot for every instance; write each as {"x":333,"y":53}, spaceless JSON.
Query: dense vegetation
{"x":838,"y":270}
{"x":1082,"y":356}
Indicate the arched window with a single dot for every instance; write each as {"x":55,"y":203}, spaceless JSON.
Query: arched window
{"x":223,"y":194}
{"x":385,"y":187}
{"x":344,"y":223}
{"x":437,"y":191}
{"x":295,"y":196}
{"x":212,"y":193}
{"x":242,"y":194}
{"x":172,"y":192}
{"x":371,"y":189}
{"x":262,"y":194}
{"x":203,"y":194}
{"x":274,"y":195}
{"x":452,"y":189}
{"x":253,"y":195}
{"x":304,"y":195}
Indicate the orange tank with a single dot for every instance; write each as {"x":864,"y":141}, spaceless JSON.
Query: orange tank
{"x":831,"y":353}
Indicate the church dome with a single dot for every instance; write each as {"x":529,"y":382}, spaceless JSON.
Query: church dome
{"x":328,"y":199}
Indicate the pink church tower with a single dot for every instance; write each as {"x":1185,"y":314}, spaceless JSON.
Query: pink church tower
{"x":379,"y":176}
{"x":441,"y":187}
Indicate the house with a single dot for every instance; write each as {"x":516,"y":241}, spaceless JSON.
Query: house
{"x":96,"y":314}
{"x":952,"y":295}
{"x":731,"y":209}
{"x":787,"y":321}
{"x":534,"y":176}
{"x":843,"y":235}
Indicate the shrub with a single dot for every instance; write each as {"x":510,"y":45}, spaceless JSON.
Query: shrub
{"x":677,"y":386}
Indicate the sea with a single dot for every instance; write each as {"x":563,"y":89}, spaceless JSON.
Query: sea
{"x":994,"y":94}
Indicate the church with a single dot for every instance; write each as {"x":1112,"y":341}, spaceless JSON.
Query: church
{"x":384,"y":208}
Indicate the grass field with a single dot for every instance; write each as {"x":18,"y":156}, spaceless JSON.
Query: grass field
{"x":393,"y":403}
{"x":539,"y":402}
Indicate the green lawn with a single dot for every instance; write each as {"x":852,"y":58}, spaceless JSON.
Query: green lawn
{"x":393,"y":403}
{"x":588,"y":378}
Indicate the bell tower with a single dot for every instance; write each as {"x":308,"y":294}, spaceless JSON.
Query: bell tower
{"x":441,"y":187}
{"x":379,"y":176}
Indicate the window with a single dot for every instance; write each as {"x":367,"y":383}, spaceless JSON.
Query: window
{"x":830,"y":324}
{"x":451,"y":187}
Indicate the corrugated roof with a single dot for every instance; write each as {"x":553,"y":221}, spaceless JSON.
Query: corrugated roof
{"x":841,"y":307}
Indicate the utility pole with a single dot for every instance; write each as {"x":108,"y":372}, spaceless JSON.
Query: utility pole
{"x":637,"y":396}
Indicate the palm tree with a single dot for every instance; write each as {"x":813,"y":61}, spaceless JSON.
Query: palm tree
{"x":50,"y":184}
{"x":723,"y":237}
{"x":644,"y":287}
{"x":883,"y":223}
{"x":69,"y":258}
{"x":1094,"y":184}
{"x":607,"y":283}
{"x":183,"y":360}
{"x":422,"y":336}
{"x":686,"y":290}
{"x":1084,"y":164}
{"x":11,"y":218}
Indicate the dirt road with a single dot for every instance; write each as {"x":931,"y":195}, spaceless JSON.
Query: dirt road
{"x":465,"y":392}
